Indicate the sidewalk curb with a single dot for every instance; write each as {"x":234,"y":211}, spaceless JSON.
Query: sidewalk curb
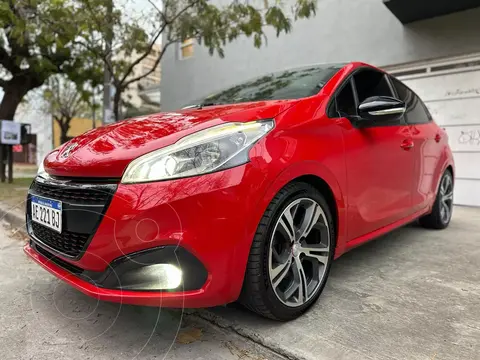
{"x":246,"y":333}
{"x":11,"y":216}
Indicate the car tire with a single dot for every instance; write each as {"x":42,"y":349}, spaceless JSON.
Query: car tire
{"x":438,"y":218}
{"x":259,"y":293}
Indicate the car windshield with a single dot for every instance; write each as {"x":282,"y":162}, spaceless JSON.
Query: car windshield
{"x":288,"y":84}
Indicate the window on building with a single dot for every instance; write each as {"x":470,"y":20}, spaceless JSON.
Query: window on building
{"x":186,"y":49}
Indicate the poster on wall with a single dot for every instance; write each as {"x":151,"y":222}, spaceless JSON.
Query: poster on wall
{"x":10,"y":132}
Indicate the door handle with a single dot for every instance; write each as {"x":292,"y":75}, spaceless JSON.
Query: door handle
{"x":407,"y":144}
{"x":438,"y":137}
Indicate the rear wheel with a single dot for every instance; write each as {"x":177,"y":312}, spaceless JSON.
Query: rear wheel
{"x":441,"y":213}
{"x":291,"y":254}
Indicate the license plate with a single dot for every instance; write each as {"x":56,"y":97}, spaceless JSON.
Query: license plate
{"x":47,"y":212}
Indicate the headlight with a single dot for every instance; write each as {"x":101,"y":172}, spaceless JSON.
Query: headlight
{"x":213,"y":149}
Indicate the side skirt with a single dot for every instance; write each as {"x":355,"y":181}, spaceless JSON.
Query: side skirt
{"x":383,"y":230}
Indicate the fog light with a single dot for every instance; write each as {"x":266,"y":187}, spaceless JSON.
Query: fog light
{"x":152,"y":277}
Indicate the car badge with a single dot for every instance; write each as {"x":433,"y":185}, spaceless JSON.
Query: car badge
{"x":66,"y":152}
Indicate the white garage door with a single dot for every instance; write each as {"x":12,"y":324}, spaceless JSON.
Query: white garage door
{"x":451,"y":90}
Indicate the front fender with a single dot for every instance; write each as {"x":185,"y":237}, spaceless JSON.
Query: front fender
{"x":317,"y":169}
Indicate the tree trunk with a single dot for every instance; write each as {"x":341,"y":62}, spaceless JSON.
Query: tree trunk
{"x":14,"y":91}
{"x":63,"y":137}
{"x":64,"y":127}
{"x":116,"y":103}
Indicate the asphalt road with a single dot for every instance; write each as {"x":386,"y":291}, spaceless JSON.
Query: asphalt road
{"x":414,"y":294}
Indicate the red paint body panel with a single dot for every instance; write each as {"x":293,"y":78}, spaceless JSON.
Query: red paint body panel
{"x":106,"y":151}
{"x":380,"y":180}
{"x":377,"y":183}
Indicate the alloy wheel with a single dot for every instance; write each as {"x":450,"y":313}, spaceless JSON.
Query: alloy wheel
{"x":446,"y":198}
{"x":299,"y":252}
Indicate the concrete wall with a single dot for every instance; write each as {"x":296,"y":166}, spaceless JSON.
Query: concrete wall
{"x":343,"y":30}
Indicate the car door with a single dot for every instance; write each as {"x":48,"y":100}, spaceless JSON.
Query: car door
{"x":379,"y":160}
{"x":426,"y":138}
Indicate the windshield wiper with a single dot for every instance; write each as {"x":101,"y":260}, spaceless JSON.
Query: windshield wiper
{"x":199,"y":106}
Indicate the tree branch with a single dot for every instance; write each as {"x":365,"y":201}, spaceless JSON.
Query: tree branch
{"x":160,"y":12}
{"x":181,"y":12}
{"x":152,"y":43}
{"x":101,"y":55}
{"x":144,"y":55}
{"x":7,"y":61}
{"x":154,"y":67}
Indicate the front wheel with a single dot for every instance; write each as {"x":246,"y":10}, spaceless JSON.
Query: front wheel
{"x":291,"y":254}
{"x":442,"y":209}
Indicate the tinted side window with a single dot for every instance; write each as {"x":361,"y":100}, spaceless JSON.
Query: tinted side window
{"x":371,"y":83}
{"x":416,"y":112}
{"x":345,"y":101}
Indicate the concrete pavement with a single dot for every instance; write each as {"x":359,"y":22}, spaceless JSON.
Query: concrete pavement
{"x":43,"y":318}
{"x":413,"y":294}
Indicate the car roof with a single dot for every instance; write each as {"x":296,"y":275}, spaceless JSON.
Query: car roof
{"x":327,"y":64}
{"x":339,"y":65}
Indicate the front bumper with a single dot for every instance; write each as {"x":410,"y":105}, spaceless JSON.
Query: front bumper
{"x":212,"y":217}
{"x":190,"y":299}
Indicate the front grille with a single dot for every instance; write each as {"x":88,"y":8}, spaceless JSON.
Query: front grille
{"x":90,"y":196}
{"x":83,"y":207}
{"x":67,"y":242}
{"x":67,"y":266}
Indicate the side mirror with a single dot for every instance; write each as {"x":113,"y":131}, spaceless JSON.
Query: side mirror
{"x":381,"y":109}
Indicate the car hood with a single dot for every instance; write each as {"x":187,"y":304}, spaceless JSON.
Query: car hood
{"x":105,"y":152}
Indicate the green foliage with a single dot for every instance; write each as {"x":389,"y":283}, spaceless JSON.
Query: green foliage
{"x":38,"y":39}
{"x":215,"y":26}
{"x":35,"y":36}
{"x":175,"y":21}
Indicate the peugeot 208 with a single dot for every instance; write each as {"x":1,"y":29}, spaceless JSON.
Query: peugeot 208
{"x":248,"y":194}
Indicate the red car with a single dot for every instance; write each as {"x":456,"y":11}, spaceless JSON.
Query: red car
{"x":248,"y":195}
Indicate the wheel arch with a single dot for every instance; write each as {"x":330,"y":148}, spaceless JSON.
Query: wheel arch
{"x":323,"y":187}
{"x":450,"y":168}
{"x":317,"y":175}
{"x":320,"y":177}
